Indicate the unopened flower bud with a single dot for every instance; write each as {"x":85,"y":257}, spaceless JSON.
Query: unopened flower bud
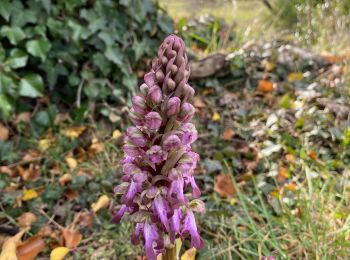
{"x":186,"y":113}
{"x":189,"y":133}
{"x":160,"y":76}
{"x":173,"y":106}
{"x":171,"y":85}
{"x":155,"y":94}
{"x":144,"y":89}
{"x":131,"y":150}
{"x":153,"y":121}
{"x":136,"y":136}
{"x":172,"y":142}
{"x":139,"y":105}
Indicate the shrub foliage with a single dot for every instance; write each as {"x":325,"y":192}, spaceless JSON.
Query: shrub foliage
{"x":73,"y":52}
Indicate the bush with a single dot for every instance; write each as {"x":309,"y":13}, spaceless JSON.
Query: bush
{"x":73,"y":52}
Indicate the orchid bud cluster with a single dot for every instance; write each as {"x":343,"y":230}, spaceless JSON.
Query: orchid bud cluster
{"x":158,"y":164}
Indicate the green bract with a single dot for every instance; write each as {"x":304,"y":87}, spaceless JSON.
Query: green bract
{"x":62,"y":48}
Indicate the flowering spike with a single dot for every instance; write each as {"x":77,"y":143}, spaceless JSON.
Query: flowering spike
{"x":159,"y":164}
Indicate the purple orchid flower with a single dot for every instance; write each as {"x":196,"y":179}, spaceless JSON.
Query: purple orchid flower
{"x":159,"y":162}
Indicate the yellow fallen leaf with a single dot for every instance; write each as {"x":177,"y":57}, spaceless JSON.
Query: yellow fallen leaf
{"x":44,"y":144}
{"x":189,"y":254}
{"x":9,"y":247}
{"x":216,"y":116}
{"x":29,"y":194}
{"x":269,"y":66}
{"x":59,"y":253}
{"x":116,"y":134}
{"x":102,"y":202}
{"x":72,"y":163}
{"x":294,"y":76}
{"x":65,"y":178}
{"x":74,"y":131}
{"x":4,"y":133}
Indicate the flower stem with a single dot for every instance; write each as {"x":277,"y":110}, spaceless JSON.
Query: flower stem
{"x":170,"y":253}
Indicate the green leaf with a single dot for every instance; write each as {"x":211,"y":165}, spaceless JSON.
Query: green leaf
{"x":17,"y":59}
{"x":31,"y":86}
{"x":38,"y":48}
{"x":5,"y":9}
{"x":13,"y":34}
{"x":2,"y":53}
{"x":5,"y":107}
{"x":114,"y":55}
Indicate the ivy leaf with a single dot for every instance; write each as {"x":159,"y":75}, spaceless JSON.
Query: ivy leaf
{"x":31,"y":86}
{"x":17,"y":59}
{"x":13,"y":34}
{"x":114,"y":55}
{"x":5,"y":106}
{"x":5,"y":9}
{"x":38,"y":48}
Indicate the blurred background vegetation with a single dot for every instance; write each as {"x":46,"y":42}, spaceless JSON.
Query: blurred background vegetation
{"x":273,"y":123}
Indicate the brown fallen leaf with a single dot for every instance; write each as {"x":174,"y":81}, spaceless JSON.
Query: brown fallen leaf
{"x":7,"y":170}
{"x":312,"y":155}
{"x":224,"y":186}
{"x":96,"y":147}
{"x":228,"y":134}
{"x":45,"y":231}
{"x":9,"y":247}
{"x":198,"y":102}
{"x":30,"y":248}
{"x":22,"y":117}
{"x":26,"y":219}
{"x":283,"y":174}
{"x":71,"y":194}
{"x":72,"y":237}
{"x":86,"y":219}
{"x":4,"y":133}
{"x":29,"y":173}
{"x":290,"y":157}
{"x":265,"y":86}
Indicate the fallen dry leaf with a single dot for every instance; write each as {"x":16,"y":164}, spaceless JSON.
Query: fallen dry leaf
{"x":45,"y":231}
{"x":198,"y":102}
{"x":7,"y":170}
{"x":102,"y":202}
{"x":22,"y":117}
{"x":216,"y":116}
{"x":294,"y":76}
{"x":72,"y":163}
{"x":228,"y":134}
{"x":290,"y":157}
{"x":312,"y":155}
{"x":26,"y":219}
{"x":74,"y":131}
{"x":4,"y":133}
{"x":30,"y":248}
{"x":190,"y":254}
{"x":116,"y":134}
{"x":86,"y":219}
{"x":29,"y":195}
{"x":224,"y":186}
{"x":30,"y":173}
{"x":265,"y":86}
{"x":65,"y":178}
{"x":59,"y":253}
{"x":72,"y":237}
{"x":95,"y":147}
{"x":9,"y":247}
{"x":71,"y":194}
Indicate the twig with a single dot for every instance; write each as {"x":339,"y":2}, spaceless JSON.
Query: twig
{"x":79,"y":92}
{"x":25,"y":162}
{"x":51,"y":220}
